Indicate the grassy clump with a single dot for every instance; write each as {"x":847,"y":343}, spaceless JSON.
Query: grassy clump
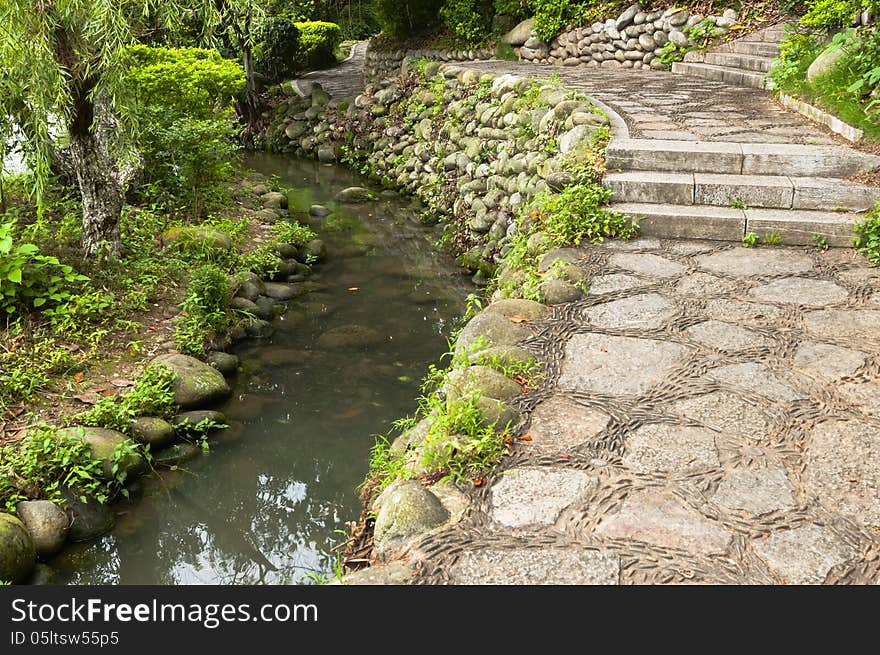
{"x":868,"y":240}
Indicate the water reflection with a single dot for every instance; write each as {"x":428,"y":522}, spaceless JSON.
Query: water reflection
{"x":266,"y":505}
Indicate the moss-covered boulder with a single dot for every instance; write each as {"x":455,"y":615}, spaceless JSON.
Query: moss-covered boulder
{"x":17,"y":552}
{"x":518,"y":308}
{"x":196,"y":384}
{"x":407,"y":510}
{"x":555,"y":292}
{"x":103,"y":444}
{"x":489,"y":329}
{"x":46,"y":523}
{"x":152,"y":430}
{"x":481,"y":379}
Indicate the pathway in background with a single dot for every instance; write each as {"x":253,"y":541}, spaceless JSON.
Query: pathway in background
{"x":345,"y":80}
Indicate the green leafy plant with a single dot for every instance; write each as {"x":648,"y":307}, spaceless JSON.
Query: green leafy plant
{"x":867,"y":240}
{"x":469,"y":19}
{"x":29,"y":280}
{"x":400,"y":18}
{"x":317,"y":43}
{"x":738,"y":203}
{"x":204,"y":309}
{"x":152,"y":395}
{"x":750,"y":239}
{"x":820,"y":241}
{"x":277,"y":48}
{"x":772,"y":239}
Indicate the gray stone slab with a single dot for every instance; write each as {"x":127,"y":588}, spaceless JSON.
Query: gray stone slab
{"x":676,"y":449}
{"x":800,"y":291}
{"x":756,"y":491}
{"x":703,"y":285}
{"x":602,"y":284}
{"x":725,"y":336}
{"x":725,"y":412}
{"x":655,"y":518}
{"x":651,"y":186}
{"x":535,"y":496}
{"x":753,"y":190}
{"x":647,"y":264}
{"x":690,"y":247}
{"x":804,"y":555}
{"x":757,"y":378}
{"x":863,"y":395}
{"x":650,"y":310}
{"x":737,"y":311}
{"x":633,"y":245}
{"x":859,"y":324}
{"x":803,"y":160}
{"x":828,"y":361}
{"x":617,"y":365}
{"x":753,"y":262}
{"x":537,"y":566}
{"x":559,"y":424}
{"x":843,"y":468}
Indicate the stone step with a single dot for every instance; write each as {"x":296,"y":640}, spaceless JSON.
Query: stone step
{"x":736,"y":60}
{"x":754,"y":191}
{"x":794,"y":227}
{"x":755,"y":48}
{"x":730,"y":158}
{"x":726,"y":74}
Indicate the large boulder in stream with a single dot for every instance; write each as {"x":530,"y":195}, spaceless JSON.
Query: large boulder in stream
{"x":196,"y":384}
{"x":17,"y":552}
{"x":354,"y":194}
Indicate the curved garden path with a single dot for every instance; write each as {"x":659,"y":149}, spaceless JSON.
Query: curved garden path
{"x":346,"y":79}
{"x":708,"y":414}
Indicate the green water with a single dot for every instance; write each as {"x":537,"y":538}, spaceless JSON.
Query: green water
{"x":265,"y":505}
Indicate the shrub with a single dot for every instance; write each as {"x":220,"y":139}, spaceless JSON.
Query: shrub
{"x":836,"y":13}
{"x":204,"y":309}
{"x":551,"y":16}
{"x":797,"y":53}
{"x":518,"y":9}
{"x":277,"y":48}
{"x":868,"y":240}
{"x":469,"y":19}
{"x":29,"y":280}
{"x":400,"y":18}
{"x":317,"y":42}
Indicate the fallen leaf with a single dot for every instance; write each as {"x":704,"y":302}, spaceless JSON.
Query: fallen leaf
{"x":520,"y":380}
{"x":525,"y":437}
{"x":478,"y":482}
{"x":604,"y":350}
{"x":354,"y":288}
{"x":121,"y":382}
{"x":517,"y":319}
{"x":87,"y":398}
{"x":152,"y":328}
{"x":78,"y":377}
{"x":541,"y":272}
{"x":107,"y":393}
{"x":565,"y":456}
{"x":71,"y":348}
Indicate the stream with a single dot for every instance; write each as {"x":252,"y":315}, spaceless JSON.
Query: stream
{"x":272,"y":498}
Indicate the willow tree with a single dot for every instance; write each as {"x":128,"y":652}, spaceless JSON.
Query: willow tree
{"x":63,"y":64}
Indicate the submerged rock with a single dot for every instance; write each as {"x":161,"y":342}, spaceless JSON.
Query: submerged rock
{"x":176,"y":454}
{"x":354,"y":194}
{"x":17,"y":552}
{"x":350,"y":336}
{"x":47,"y":524}
{"x":89,"y":518}
{"x":196,"y":384}
{"x":185,"y":421}
{"x":226,"y":363}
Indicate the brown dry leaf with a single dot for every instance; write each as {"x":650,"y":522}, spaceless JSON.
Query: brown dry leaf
{"x":89,"y":398}
{"x":69,"y":347}
{"x":525,"y":437}
{"x":107,"y":392}
{"x":541,"y":272}
{"x":354,"y":288}
{"x":152,"y":328}
{"x":604,"y":350}
{"x":478,"y":482}
{"x":78,"y":377}
{"x":565,"y":456}
{"x":517,"y":319}
{"x":121,"y":382}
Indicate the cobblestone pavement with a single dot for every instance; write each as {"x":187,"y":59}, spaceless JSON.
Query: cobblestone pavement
{"x":661,"y":105}
{"x":345,"y":80}
{"x":710,"y":414}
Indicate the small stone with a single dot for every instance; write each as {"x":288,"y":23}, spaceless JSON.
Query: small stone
{"x":184,"y":421}
{"x":392,"y":573}
{"x":615,"y":282}
{"x":283,"y":291}
{"x":226,"y":363}
{"x":89,"y":519}
{"x":354,"y":194}
{"x":274,"y":200}
{"x":194,"y":238}
{"x":647,"y":264}
{"x":646,"y":311}
{"x":536,"y":496}
{"x":176,"y":454}
{"x":725,"y":336}
{"x":259,"y":328}
{"x":803,"y":555}
{"x":486,"y":381}
{"x":518,"y":308}
{"x":319,"y":211}
{"x":491,"y":329}
{"x":47,"y":524}
{"x":828,"y":361}
{"x":757,"y":378}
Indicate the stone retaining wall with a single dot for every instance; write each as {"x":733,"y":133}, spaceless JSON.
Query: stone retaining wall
{"x":382,"y":64}
{"x":474,"y":147}
{"x":635,"y":39}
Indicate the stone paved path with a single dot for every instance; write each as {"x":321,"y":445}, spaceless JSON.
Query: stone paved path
{"x":345,"y":80}
{"x":662,"y":105}
{"x":710,"y":414}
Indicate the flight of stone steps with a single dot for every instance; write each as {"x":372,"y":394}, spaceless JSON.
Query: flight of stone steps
{"x":723,"y":190}
{"x":744,"y":62}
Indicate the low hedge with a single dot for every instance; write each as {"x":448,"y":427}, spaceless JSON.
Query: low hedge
{"x":317,"y":42}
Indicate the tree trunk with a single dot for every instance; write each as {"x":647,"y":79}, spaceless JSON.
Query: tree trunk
{"x":101,"y":191}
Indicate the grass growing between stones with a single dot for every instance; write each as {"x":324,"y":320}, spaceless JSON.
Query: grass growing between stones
{"x":868,"y":240}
